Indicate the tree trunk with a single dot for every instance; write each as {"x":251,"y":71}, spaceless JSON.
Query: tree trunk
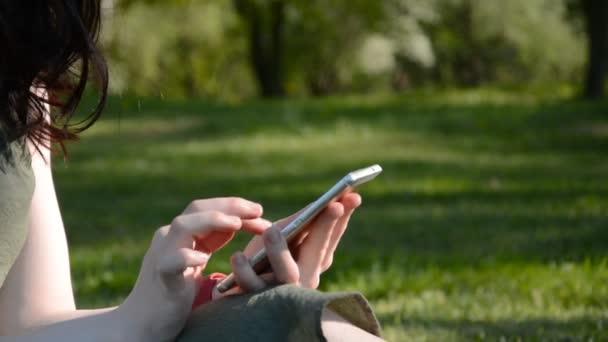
{"x":473,"y":73}
{"x":265,"y":28}
{"x":596,"y":25}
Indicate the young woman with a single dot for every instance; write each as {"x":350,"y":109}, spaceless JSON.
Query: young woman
{"x":47,"y":56}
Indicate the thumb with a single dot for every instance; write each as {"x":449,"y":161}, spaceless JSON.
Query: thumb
{"x":174,"y":266}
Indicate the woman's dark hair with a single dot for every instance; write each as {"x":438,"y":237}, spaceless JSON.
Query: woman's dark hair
{"x":48,"y":54}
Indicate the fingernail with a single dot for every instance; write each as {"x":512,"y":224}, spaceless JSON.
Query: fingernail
{"x":266,"y":223}
{"x":273,"y":236}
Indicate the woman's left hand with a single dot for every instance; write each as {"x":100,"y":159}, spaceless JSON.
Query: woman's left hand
{"x":313,"y":250}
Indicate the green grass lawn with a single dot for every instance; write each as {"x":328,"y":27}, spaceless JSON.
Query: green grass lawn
{"x":490,"y":221}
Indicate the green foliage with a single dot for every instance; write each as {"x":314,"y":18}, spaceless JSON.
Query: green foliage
{"x":489,"y":222}
{"x":323,"y":38}
{"x":508,"y":42}
{"x":193,"y":50}
{"x":201,"y":48}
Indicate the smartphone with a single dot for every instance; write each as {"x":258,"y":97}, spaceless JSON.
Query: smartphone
{"x":259,"y":262}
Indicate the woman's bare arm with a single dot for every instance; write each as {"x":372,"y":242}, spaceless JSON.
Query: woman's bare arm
{"x":39,"y":285}
{"x":93,"y":326}
{"x":36,"y":299}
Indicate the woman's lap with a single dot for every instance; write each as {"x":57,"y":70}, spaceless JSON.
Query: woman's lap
{"x":282,"y":313}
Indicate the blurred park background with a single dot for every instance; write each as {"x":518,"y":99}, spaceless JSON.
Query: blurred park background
{"x":490,"y":220}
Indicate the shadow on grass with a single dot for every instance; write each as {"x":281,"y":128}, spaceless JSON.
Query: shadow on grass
{"x":577,"y":329}
{"x":516,"y":183}
{"x":526,"y":220}
{"x":560,"y":127}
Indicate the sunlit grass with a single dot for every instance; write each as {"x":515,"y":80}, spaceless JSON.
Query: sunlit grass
{"x":488,"y":222}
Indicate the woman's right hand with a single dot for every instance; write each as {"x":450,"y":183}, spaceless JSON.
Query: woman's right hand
{"x":161,"y":300}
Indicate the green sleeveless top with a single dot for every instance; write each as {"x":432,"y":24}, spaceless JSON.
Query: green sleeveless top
{"x":16,"y":190}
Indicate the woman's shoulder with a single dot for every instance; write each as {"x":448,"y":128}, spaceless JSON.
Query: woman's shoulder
{"x":16,"y":190}
{"x":15,"y":166}
{"x":14,"y":153}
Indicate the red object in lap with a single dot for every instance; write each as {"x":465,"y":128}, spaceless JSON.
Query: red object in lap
{"x":206,"y":289}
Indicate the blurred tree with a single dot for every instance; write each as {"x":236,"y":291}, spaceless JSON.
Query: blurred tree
{"x":128,"y":3}
{"x":595,"y":13}
{"x":235,"y":48}
{"x":264,"y":22}
{"x":406,"y":35}
{"x":507,"y":42}
{"x":304,"y":40}
{"x":469,"y":66}
{"x":325,"y":38}
{"x":191,"y":50}
{"x":476,"y":42}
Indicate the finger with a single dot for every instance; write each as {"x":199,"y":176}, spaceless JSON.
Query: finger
{"x":254,"y":246}
{"x":267,"y":278}
{"x":282,"y":223}
{"x":217,"y":241}
{"x":334,"y":240}
{"x":256,"y":226}
{"x":350,"y":201}
{"x":216,"y":294}
{"x":284,"y":267}
{"x":185,"y":227}
{"x":197,"y":274}
{"x":313,"y":249}
{"x":294,"y":244}
{"x":212,"y":242}
{"x":257,"y":242}
{"x":178,"y":260}
{"x":244,"y":275}
{"x":301,"y":237}
{"x":229,"y":205}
